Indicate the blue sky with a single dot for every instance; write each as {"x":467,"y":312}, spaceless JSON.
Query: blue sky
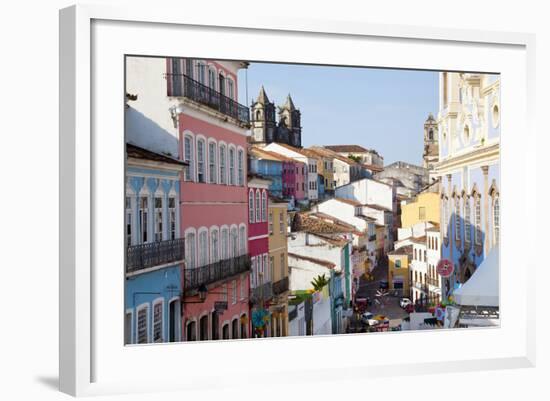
{"x":375,"y":108}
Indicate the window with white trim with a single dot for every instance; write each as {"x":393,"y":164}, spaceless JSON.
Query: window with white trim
{"x":467,"y":221}
{"x":143,"y":218}
{"x":212,"y":162}
{"x":268,"y":271}
{"x":128,"y":221}
{"x":240,"y":167}
{"x":143,"y":325}
{"x":242,"y":240}
{"x":281,"y":223}
{"x":212,"y":78}
{"x":258,"y":206}
{"x":264,"y":205}
{"x":225,"y":243}
{"x":201,"y":173}
{"x":201,"y":77}
{"x":234,"y":242}
{"x":458,"y":223}
{"x":230,"y":89}
{"x":157,"y":322}
{"x":270,"y":222}
{"x":158,"y":218}
{"x":172,"y":217}
{"x":231,"y":166}
{"x":251,"y":206}
{"x":203,"y":248}
{"x":214,"y":246}
{"x":190,"y":252}
{"x":477,"y":212}
{"x":223,"y":176}
{"x":188,"y":157}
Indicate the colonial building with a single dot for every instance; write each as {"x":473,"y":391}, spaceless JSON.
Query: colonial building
{"x":362,"y":155}
{"x":261,"y":276}
{"x":408,"y":178}
{"x":307,"y":158}
{"x":155,"y":249}
{"x":468,"y":169}
{"x":398,"y":269}
{"x":278,"y":264}
{"x":265,"y":129}
{"x":425,"y":207}
{"x":430,"y":155}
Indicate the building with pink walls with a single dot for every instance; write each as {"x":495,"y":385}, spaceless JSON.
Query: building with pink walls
{"x":212,"y":139}
{"x":261,"y":279}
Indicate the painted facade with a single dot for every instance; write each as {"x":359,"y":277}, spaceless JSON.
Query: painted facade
{"x":155,"y":250}
{"x":423,"y":209}
{"x":261,"y":276}
{"x":468,"y":170}
{"x":398,"y":268}
{"x":278,"y":262}
{"x":214,"y":213}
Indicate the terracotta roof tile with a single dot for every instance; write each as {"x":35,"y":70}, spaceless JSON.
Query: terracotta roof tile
{"x":137,"y":152}
{"x":321,"y":262}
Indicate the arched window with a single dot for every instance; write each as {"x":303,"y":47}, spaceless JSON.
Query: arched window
{"x":203,"y":248}
{"x":496,"y":219}
{"x":477,"y":221}
{"x":231,"y":166}
{"x":203,"y":327}
{"x":234,"y":242}
{"x":192,"y":331}
{"x":458,"y":223}
{"x":223,"y":174}
{"x":190,"y":250}
{"x":240,"y":167}
{"x":212,"y":78}
{"x":214,"y":246}
{"x":242,"y":240}
{"x":212,"y":171}
{"x":201,"y":73}
{"x":230,"y":89}
{"x":431,"y":135}
{"x":188,"y":157}
{"x":172,"y":226}
{"x":264,"y":205}
{"x":201,"y":173}
{"x":258,"y":206}
{"x":225,"y":244}
{"x":251,"y":206}
{"x":467,"y":222}
{"x":415,"y":255}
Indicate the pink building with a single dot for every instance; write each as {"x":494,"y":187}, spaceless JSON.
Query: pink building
{"x":300,"y":179}
{"x":258,"y":247}
{"x":212,"y":139}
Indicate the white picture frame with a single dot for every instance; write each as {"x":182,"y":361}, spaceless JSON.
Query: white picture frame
{"x":91,"y":362}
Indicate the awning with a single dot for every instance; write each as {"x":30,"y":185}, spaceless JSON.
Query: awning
{"x":482,"y":288}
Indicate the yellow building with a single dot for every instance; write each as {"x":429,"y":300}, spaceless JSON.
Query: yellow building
{"x":278,"y":264}
{"x":325,"y":166}
{"x":398,"y":269}
{"x":425,"y":208}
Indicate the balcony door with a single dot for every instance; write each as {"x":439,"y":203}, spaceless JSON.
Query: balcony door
{"x":173,"y":321}
{"x":176,"y":77}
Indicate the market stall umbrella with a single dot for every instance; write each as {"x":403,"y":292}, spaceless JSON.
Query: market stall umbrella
{"x":482,"y":288}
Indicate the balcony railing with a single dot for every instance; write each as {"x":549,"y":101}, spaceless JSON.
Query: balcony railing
{"x":143,"y":256}
{"x":208,"y":274}
{"x":280,"y":286}
{"x":262,"y":292}
{"x":432,"y":281}
{"x":420,"y":286}
{"x":184,"y":86}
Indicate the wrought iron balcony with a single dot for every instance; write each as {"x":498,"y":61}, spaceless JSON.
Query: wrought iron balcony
{"x":208,"y":274}
{"x":262,"y":292}
{"x":280,"y":286}
{"x":181,"y":85}
{"x":143,"y":256}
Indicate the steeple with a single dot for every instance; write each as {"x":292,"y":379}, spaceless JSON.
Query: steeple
{"x":262,"y":97}
{"x":289,"y":104}
{"x":263,"y":118}
{"x":290,"y":120}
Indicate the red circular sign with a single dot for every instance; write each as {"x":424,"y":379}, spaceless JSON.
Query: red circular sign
{"x":445,"y":268}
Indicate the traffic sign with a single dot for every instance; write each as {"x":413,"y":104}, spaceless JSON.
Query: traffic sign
{"x":445,"y":268}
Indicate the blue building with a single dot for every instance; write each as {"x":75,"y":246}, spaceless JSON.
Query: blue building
{"x":337,"y":302}
{"x":468,"y":169}
{"x":321,"y":186}
{"x":155,"y":249}
{"x":269,"y":165}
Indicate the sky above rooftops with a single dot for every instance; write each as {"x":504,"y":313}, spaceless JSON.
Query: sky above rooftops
{"x":376,"y":108}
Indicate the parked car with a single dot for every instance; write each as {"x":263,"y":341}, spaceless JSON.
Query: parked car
{"x":404,"y":302}
{"x":366,"y":316}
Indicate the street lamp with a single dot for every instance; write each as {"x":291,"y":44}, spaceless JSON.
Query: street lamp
{"x":203,"y":292}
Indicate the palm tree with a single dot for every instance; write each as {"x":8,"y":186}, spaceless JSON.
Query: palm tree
{"x":319,"y":282}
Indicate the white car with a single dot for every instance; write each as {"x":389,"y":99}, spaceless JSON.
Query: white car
{"x":366,"y":317}
{"x":404,"y":302}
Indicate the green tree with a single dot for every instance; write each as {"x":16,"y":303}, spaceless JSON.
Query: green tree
{"x":319,"y":282}
{"x":356,"y":159}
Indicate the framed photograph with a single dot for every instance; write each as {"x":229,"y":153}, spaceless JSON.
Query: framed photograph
{"x":235,"y":194}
